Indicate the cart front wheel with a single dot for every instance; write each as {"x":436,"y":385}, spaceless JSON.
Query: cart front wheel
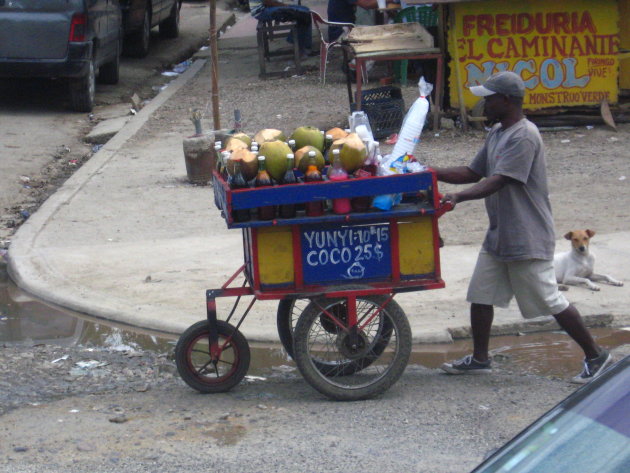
{"x":378,"y":351}
{"x":199,"y":370}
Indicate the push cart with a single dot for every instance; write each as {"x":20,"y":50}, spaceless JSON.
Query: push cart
{"x":335,"y":277}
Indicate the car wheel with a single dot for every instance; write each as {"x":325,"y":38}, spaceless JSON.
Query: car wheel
{"x":82,"y":91}
{"x":109,"y":73}
{"x":137,"y":44}
{"x":169,"y":28}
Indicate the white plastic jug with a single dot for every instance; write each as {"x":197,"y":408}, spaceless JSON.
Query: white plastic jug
{"x":409,"y":135}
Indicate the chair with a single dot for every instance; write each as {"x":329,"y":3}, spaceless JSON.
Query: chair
{"x":267,"y":31}
{"x":326,"y":46}
{"x":427,"y":16}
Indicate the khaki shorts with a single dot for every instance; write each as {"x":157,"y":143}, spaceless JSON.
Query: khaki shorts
{"x":532,"y":282}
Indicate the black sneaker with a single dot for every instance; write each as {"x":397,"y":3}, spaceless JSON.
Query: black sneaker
{"x":593,"y":368}
{"x":468,"y":365}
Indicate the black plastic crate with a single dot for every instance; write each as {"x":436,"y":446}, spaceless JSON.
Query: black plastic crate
{"x":385,"y":108}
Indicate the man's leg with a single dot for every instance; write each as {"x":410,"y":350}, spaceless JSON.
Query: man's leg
{"x":571,"y":322}
{"x":481,"y":317}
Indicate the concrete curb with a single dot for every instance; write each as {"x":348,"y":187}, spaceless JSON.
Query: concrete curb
{"x":20,"y":267}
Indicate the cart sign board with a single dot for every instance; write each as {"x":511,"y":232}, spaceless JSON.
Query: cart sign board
{"x":566,"y":52}
{"x":346,"y":253}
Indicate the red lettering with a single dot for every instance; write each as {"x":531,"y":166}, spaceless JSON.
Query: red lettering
{"x":561,"y":23}
{"x":491,"y":43}
{"x":530,"y":44}
{"x":587,"y":24}
{"x":469,"y":24}
{"x":485,"y":23}
{"x":512,"y":50}
{"x":502,"y":21}
{"x":524,"y":23}
{"x":559,"y":46}
{"x":576,"y":47}
{"x":541,"y":26}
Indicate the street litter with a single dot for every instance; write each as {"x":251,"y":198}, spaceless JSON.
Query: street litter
{"x":64,"y":357}
{"x":255,"y":378}
{"x":622,"y":178}
{"x":565,"y":141}
{"x":91,"y":364}
{"x":182,"y":66}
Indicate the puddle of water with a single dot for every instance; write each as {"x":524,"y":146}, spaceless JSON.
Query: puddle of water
{"x":25,"y":319}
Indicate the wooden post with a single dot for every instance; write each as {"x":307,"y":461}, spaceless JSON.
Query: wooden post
{"x":214,"y":63}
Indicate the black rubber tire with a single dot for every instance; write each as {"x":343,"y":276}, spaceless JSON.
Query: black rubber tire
{"x":110,"y":73}
{"x":169,"y":28}
{"x":286,"y":318}
{"x":83,"y":91}
{"x":477,"y":111}
{"x":348,"y":384}
{"x":192,"y":359}
{"x":137,"y":44}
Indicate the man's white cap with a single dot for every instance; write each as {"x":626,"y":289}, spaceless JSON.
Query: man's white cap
{"x":505,"y":83}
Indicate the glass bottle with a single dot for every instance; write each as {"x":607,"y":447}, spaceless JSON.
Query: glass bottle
{"x":238,"y":182}
{"x":217,"y":155}
{"x":288,"y":210}
{"x":338,"y":173}
{"x":328,"y":141}
{"x":263,"y":179}
{"x":313,"y":208}
{"x":291,"y":144}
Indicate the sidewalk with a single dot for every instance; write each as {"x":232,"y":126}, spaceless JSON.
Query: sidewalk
{"x":127,"y":239}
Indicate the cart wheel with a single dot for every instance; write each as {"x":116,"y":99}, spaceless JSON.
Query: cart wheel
{"x":195,"y":366}
{"x":363,"y":370}
{"x":289,"y":310}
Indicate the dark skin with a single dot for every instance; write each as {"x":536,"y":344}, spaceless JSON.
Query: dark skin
{"x":507,"y":111}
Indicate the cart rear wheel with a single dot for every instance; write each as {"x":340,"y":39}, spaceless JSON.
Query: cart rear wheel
{"x":195,"y":366}
{"x":359,"y":369}
{"x":289,"y":310}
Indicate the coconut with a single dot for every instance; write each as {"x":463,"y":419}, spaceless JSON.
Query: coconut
{"x":275,"y":153}
{"x":302,"y":161}
{"x":249,"y":163}
{"x":337,"y":133}
{"x":243,"y":137}
{"x":308,"y":135}
{"x":352,"y":152}
{"x":269,"y":134}
{"x":234,"y":143}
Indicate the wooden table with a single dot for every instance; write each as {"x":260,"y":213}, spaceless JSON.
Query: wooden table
{"x":392,"y":43}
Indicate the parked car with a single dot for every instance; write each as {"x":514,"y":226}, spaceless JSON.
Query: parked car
{"x":587,"y":432}
{"x":77,"y":40}
{"x":140,"y":16}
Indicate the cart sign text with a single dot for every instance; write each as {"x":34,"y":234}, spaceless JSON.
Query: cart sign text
{"x":566,"y":52}
{"x":346,"y":253}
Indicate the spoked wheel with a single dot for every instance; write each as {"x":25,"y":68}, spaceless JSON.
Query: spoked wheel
{"x":360,"y":365}
{"x":196,"y":367}
{"x":289,"y":310}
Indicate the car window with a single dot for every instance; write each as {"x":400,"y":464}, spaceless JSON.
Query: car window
{"x":589,"y":433}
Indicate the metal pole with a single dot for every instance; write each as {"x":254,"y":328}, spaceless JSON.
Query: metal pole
{"x":214,"y":63}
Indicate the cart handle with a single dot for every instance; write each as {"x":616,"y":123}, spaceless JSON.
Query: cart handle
{"x":443,"y":206}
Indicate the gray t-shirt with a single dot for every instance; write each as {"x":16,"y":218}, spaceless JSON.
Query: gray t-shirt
{"x":521,"y":223}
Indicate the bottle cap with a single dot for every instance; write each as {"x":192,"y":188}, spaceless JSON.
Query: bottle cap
{"x":290,"y":156}
{"x":336,"y":151}
{"x":261,"y":158}
{"x":311,"y":153}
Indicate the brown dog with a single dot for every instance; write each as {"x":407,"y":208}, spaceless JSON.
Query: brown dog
{"x":575,"y":267}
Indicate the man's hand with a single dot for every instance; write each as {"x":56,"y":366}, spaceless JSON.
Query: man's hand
{"x":450,"y":198}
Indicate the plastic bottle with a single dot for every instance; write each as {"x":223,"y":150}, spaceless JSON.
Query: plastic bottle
{"x":313,"y":208}
{"x":338,"y":173}
{"x":291,"y":144}
{"x":263,"y":179}
{"x":413,"y":123}
{"x":288,"y":210}
{"x":238,"y":181}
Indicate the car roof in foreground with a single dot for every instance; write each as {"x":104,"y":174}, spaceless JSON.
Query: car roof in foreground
{"x":592,"y":426}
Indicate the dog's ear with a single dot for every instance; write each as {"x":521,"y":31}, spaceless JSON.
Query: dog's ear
{"x":568,"y":235}
{"x":590,"y":233}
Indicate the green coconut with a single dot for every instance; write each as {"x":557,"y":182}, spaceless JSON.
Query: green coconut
{"x":243,"y":137}
{"x":352,"y":152}
{"x":337,"y":133}
{"x":275,"y":153}
{"x":302,"y":159}
{"x":308,"y":135}
{"x":234,"y":143}
{"x":269,"y":134}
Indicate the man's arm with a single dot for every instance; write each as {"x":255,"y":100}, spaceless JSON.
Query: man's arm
{"x":457,"y":175}
{"x":479,"y":191}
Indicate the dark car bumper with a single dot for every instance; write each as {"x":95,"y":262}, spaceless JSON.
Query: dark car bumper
{"x":75,"y":64}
